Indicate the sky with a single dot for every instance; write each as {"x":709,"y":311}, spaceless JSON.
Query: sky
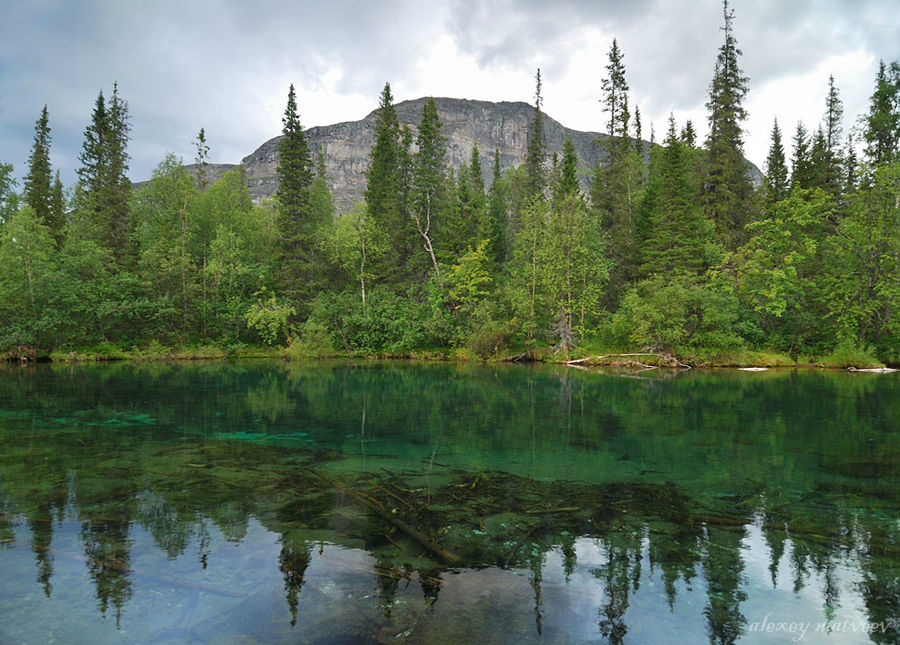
{"x":226,"y":65}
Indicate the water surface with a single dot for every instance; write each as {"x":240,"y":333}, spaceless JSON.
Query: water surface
{"x":407,"y":503}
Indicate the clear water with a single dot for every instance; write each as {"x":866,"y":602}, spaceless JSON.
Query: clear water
{"x":261,"y":502}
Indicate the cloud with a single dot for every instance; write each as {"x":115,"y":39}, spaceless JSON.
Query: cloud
{"x":226,"y":65}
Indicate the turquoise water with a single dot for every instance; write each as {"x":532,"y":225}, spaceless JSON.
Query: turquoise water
{"x":263,"y":502}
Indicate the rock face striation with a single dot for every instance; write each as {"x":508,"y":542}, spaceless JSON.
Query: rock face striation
{"x":501,"y":127}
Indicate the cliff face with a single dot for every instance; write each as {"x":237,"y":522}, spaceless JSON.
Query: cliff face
{"x":493,"y":126}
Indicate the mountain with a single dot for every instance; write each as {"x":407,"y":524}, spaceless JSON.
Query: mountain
{"x":493,"y":126}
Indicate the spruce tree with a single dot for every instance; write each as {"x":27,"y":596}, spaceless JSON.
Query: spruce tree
{"x":775,"y":184}
{"x":103,"y":191}
{"x":429,"y":179}
{"x":615,"y":91}
{"x":567,"y":183}
{"x":494,"y":230}
{"x":9,"y":199}
{"x":201,"y":159}
{"x":801,"y":169}
{"x":677,"y":234}
{"x":535,"y":180}
{"x":93,"y":152}
{"x":883,"y":120}
{"x":727,"y":189}
{"x":57,"y":210}
{"x":38,"y":180}
{"x":116,"y":187}
{"x":298,"y":230}
{"x":385,"y":194}
{"x":294,"y":174}
{"x":320,"y":197}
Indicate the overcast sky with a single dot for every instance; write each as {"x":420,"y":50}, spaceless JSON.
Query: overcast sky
{"x":226,"y":65}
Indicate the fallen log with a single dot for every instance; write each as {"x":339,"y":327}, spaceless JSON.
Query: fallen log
{"x":373,"y":505}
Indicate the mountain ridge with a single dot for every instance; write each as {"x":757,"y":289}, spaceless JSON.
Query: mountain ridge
{"x":500,"y":126}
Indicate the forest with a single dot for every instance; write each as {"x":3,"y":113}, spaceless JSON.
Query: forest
{"x":672,"y":249}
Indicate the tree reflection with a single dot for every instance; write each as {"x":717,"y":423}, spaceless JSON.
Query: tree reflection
{"x":683,"y":487}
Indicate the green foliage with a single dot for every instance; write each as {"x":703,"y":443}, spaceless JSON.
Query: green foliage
{"x":269,"y":318}
{"x":861,"y":268}
{"x":849,"y":354}
{"x":680,"y":315}
{"x":9,"y":200}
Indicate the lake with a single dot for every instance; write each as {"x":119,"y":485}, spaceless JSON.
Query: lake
{"x":401,"y":502}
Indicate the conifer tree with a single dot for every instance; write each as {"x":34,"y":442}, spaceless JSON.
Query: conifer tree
{"x":294,"y":174}
{"x":494,"y":230}
{"x":615,"y":90}
{"x":727,"y":189}
{"x":535,"y":180}
{"x":689,"y":135}
{"x":104,"y":189}
{"x":429,"y":179}
{"x":298,"y":228}
{"x":201,"y":159}
{"x":9,"y":199}
{"x":320,"y":197}
{"x":776,"y":184}
{"x":384,"y":195}
{"x":801,"y":169}
{"x":567,"y":184}
{"x":883,"y":120}
{"x":57,"y":210}
{"x":38,"y":180}
{"x":678,"y":236}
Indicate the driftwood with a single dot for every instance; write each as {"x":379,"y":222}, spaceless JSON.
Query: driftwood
{"x":670,"y":360}
{"x":376,"y":507}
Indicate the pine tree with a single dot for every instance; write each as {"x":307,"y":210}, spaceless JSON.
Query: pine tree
{"x":775,"y":184}
{"x":535,"y":154}
{"x":429,"y":179}
{"x":727,"y":189}
{"x":883,"y":121}
{"x":38,"y":191}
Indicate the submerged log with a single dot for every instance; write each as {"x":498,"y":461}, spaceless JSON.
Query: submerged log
{"x":373,"y":505}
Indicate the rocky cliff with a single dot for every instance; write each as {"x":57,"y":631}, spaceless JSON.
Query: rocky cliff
{"x":493,"y":126}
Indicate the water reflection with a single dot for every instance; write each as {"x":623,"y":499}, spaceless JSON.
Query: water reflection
{"x":198,"y":502}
